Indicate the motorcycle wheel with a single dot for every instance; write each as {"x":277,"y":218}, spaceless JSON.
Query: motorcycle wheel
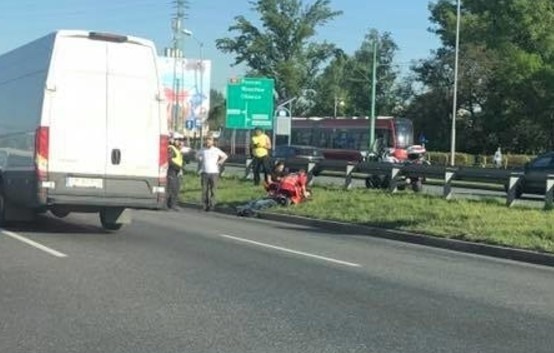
{"x":417,"y":185}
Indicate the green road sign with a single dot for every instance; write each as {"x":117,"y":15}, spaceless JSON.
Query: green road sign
{"x":250,"y":103}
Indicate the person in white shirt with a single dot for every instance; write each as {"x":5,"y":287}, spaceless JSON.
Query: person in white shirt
{"x":498,"y":158}
{"x":210,"y":159}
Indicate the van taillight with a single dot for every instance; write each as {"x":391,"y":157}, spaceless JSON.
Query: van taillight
{"x":42,"y":147}
{"x":163,"y":158}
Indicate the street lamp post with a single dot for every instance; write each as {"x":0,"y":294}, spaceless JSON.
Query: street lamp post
{"x":373,"y":94}
{"x":176,"y":26}
{"x":455,"y":100}
{"x":199,"y":66}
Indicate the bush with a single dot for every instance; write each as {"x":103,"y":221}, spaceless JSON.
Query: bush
{"x":464,"y":159}
{"x":438,"y":158}
{"x":516,"y":160}
{"x":443,"y":158}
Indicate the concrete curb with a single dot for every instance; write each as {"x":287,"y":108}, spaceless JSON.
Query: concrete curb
{"x":520,"y":255}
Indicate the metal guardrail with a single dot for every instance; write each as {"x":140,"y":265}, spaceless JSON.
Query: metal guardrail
{"x":349,"y":171}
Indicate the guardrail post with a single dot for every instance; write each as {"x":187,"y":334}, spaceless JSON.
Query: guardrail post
{"x":348,"y":176}
{"x":310,"y":172}
{"x":549,"y":195}
{"x":513,"y":182}
{"x":393,"y":186}
{"x":448,"y":178}
{"x":248,"y":169}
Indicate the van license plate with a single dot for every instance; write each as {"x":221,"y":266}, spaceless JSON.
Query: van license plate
{"x":84,"y":183}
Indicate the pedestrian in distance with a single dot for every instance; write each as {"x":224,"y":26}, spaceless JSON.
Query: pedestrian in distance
{"x":210,"y":159}
{"x":498,"y":158}
{"x":173,"y":174}
{"x":259,"y":149}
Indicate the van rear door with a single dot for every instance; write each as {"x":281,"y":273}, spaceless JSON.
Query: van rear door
{"x":77,"y":123}
{"x":133,"y":120}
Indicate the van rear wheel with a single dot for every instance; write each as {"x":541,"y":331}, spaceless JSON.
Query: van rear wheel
{"x":2,"y":208}
{"x":60,"y":213}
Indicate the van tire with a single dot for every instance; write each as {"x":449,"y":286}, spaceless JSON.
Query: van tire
{"x":2,"y":208}
{"x":60,"y":213}
{"x":109,"y":225}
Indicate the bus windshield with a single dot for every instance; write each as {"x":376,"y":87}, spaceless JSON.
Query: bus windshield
{"x":404,"y":133}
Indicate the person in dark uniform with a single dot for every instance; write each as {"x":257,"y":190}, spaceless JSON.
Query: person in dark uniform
{"x":173,"y":171}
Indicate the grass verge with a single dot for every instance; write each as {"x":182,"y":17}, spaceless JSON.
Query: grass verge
{"x":487,"y":221}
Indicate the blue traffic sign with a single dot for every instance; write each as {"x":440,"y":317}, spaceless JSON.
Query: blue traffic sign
{"x":189,"y":124}
{"x":198,"y":123}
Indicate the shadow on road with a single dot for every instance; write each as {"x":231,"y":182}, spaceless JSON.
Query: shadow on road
{"x":46,"y":224}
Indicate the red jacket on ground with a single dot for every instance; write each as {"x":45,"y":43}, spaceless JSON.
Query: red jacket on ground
{"x":292,"y":186}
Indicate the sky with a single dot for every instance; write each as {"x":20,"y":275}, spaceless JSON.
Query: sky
{"x":22,"y":21}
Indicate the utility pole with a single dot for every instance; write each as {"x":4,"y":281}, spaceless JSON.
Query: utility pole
{"x":176,"y":25}
{"x":373,"y":94}
{"x":455,"y":100}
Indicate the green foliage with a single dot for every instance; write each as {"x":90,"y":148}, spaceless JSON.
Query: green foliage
{"x":438,"y":158}
{"x":282,"y":47}
{"x":506,"y":76}
{"x":216,"y":118}
{"x":349,"y":79}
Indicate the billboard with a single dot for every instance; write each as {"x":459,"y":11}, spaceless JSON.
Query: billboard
{"x":186,"y":84}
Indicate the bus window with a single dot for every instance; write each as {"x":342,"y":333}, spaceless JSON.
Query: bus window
{"x":340,"y":139}
{"x":326,"y":139}
{"x":302,"y":137}
{"x":316,"y":138}
{"x":364,"y":141}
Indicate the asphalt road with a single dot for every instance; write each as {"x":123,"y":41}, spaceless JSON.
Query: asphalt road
{"x":196,"y":282}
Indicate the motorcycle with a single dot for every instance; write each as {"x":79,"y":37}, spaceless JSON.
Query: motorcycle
{"x":416,"y":155}
{"x":375,"y":181}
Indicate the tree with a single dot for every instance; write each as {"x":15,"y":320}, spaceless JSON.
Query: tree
{"x":359,"y":75}
{"x":349,"y":79}
{"x":216,"y":117}
{"x":282,"y":47}
{"x":506,"y":74}
{"x":331,"y":87}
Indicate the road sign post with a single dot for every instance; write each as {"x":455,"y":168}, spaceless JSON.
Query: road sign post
{"x":282,"y":124}
{"x":250,"y":103}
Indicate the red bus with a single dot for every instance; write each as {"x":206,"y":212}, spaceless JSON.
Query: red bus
{"x":342,"y":139}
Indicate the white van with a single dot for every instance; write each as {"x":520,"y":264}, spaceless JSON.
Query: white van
{"x":82,"y":128}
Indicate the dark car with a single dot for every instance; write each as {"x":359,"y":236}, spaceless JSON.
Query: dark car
{"x":297,"y":157}
{"x":307,"y":153}
{"x":534,"y":177}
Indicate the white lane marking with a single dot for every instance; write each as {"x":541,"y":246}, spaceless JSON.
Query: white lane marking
{"x":33,"y":243}
{"x":291,"y":251}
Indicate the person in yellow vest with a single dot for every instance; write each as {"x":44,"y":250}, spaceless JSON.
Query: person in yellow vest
{"x":260,"y":148}
{"x":173,"y":172}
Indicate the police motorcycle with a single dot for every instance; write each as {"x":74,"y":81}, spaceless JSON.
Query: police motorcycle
{"x":416,"y":156}
{"x":384,"y":155}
